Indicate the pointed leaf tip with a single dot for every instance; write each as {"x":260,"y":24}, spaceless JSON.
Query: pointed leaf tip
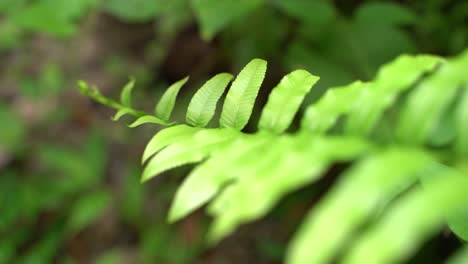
{"x":285,"y":100}
{"x":240,"y":99}
{"x":202,"y":107}
{"x":166,"y":103}
{"x":126,"y":94}
{"x":82,"y":86}
{"x":149,"y":119}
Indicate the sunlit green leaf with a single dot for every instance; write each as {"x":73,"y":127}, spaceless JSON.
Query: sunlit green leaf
{"x":203,"y":104}
{"x":166,"y":103}
{"x":126,"y":94}
{"x":241,"y":97}
{"x":285,"y":100}
{"x":149,"y":119}
{"x":166,"y":137}
{"x":190,"y":151}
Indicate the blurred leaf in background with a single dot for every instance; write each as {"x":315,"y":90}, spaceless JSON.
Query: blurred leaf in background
{"x":215,"y":15}
{"x":87,"y":209}
{"x":12,"y":131}
{"x":50,"y":82}
{"x":43,"y":15}
{"x":136,"y":10}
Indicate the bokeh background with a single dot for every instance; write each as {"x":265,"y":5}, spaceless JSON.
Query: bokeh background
{"x":69,"y":176}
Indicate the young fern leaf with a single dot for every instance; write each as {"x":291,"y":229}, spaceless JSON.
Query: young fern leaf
{"x":126,"y":94}
{"x":302,"y":158}
{"x":233,"y":205}
{"x":462,"y":124}
{"x":120,"y":113}
{"x":432,"y":98}
{"x":150,"y":119}
{"x":285,"y":100}
{"x":166,"y":103}
{"x":322,"y":116}
{"x":241,"y":97}
{"x":168,"y":136}
{"x":391,"y":80}
{"x":458,"y":220}
{"x":364,"y":103}
{"x":411,"y":220}
{"x":208,"y":178}
{"x":203,"y":104}
{"x":93,"y":93}
{"x":193,"y":150}
{"x":460,"y":257}
{"x":369,"y":184}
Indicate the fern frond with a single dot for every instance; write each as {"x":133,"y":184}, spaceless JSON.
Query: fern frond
{"x":432,"y":98}
{"x":302,"y":158}
{"x":241,"y":97}
{"x":150,"y":119}
{"x":126,"y":94}
{"x":164,"y":108}
{"x":384,"y":128}
{"x":189,"y":151}
{"x":414,"y":218}
{"x":462,"y":124}
{"x":285,"y":100}
{"x":202,"y":107}
{"x":460,"y":257}
{"x":370,"y":184}
{"x":208,"y":178}
{"x":167,"y":137}
{"x":120,"y":113}
{"x":364,"y":103}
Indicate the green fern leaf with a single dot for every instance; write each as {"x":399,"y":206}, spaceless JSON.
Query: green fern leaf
{"x":203,"y":104}
{"x":192,"y":150}
{"x":120,"y":113}
{"x":323,"y":115}
{"x":461,"y":257}
{"x":126,"y":94}
{"x":431,"y":97}
{"x":207,"y":179}
{"x":462,"y":124}
{"x":366,"y":102}
{"x":167,"y":137}
{"x":150,"y":119}
{"x":166,"y":103}
{"x":458,"y":221}
{"x":369,"y":184}
{"x":94,"y":93}
{"x":411,"y":220}
{"x":262,"y":180}
{"x":285,"y":100}
{"x":391,"y":80}
{"x":241,"y":97}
